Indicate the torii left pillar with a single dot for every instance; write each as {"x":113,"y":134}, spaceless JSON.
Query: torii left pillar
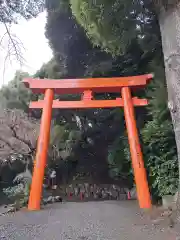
{"x":42,"y":150}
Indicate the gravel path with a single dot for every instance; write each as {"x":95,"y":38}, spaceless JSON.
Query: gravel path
{"x":82,"y":221}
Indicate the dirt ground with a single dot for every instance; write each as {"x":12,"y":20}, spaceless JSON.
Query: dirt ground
{"x":108,"y":220}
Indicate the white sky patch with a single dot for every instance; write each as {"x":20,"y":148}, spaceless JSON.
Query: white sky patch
{"x":36,"y":50}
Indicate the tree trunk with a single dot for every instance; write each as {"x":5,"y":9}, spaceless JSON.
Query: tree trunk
{"x":169,"y":20}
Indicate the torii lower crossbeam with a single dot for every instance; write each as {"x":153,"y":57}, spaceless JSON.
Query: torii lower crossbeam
{"x":88,"y":104}
{"x":87,"y":87}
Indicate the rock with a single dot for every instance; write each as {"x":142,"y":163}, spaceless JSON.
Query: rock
{"x":49,"y":199}
{"x":44,"y":201}
{"x":120,"y":190}
{"x":91,"y":189}
{"x":95,"y":196}
{"x":122,"y":196}
{"x":167,"y":201}
{"x":82,"y":189}
{"x":133,"y":193}
{"x":99,"y":194}
{"x":103,"y":194}
{"x":109,"y":194}
{"x":66,"y":191}
{"x":71,"y":189}
{"x":114,"y":194}
{"x":175,"y":197}
{"x":52,"y":199}
{"x":76,"y":191}
{"x":54,"y":187}
{"x":86,"y":185}
{"x":11,"y":209}
{"x":58,"y":199}
{"x":86,"y":195}
{"x":166,"y":213}
{"x":8,"y":209}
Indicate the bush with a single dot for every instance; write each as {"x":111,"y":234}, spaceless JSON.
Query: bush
{"x":20,"y":192}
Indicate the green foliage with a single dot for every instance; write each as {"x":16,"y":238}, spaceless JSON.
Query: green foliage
{"x":72,"y":49}
{"x":119,"y":163}
{"x":63,"y":142}
{"x":160,"y":154}
{"x":160,"y":147}
{"x":11,"y":11}
{"x":14,"y":191}
{"x":15,"y":95}
{"x":58,"y":133}
{"x":51,"y":69}
{"x":113,"y":25}
{"x":24,"y":178}
{"x":20,"y":192}
{"x":105,"y":21}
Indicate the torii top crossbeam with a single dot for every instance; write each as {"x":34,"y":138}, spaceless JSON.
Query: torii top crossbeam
{"x":97,"y":85}
{"x":87,"y":87}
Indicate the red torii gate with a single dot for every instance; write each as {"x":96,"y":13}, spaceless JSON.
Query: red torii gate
{"x":87,"y":87}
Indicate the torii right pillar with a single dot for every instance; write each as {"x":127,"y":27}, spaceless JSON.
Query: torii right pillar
{"x":140,"y":175}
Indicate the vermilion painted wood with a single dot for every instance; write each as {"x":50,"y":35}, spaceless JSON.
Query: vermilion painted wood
{"x":41,"y":153}
{"x":87,"y":95}
{"x":88,"y":104}
{"x":135,"y":149}
{"x":86,"y":86}
{"x":69,"y":86}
